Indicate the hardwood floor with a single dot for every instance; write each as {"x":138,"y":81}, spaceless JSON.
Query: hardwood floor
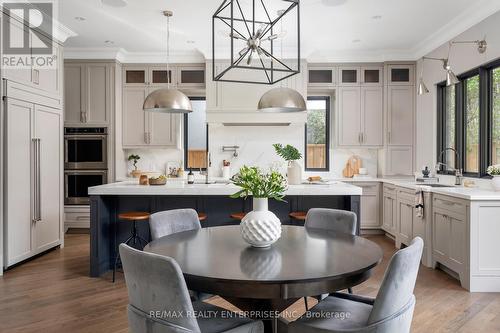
{"x":53,"y":293}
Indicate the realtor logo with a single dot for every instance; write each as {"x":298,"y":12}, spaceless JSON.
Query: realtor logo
{"x":27,"y":33}
{"x":37,"y":19}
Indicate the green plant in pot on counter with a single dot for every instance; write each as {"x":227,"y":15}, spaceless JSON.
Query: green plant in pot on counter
{"x":494,"y":171}
{"x":260,"y":227}
{"x":134,"y":158}
{"x":290,"y":154}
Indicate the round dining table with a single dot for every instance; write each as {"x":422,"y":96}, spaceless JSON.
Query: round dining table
{"x":266,"y":281}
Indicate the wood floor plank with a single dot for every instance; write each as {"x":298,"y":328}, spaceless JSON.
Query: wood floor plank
{"x":53,"y":294}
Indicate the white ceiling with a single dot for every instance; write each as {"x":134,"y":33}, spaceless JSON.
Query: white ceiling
{"x":331,"y":30}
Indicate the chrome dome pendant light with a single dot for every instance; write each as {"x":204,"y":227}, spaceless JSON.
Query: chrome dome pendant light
{"x":167,"y":100}
{"x":282,"y":99}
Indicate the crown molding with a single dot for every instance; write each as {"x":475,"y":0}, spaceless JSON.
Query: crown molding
{"x":125,"y":57}
{"x":476,"y":13}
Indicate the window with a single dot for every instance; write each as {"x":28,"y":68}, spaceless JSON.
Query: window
{"x":471,"y":108}
{"x":469,"y":120}
{"x":495,"y":98}
{"x":317,"y":133}
{"x":450,"y":125}
{"x":195,"y":135}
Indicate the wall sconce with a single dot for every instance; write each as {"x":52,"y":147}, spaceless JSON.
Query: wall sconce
{"x":451,"y":78}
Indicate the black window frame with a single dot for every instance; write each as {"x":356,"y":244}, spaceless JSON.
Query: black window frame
{"x":326,"y":98}
{"x":186,"y":134}
{"x":485,"y":73}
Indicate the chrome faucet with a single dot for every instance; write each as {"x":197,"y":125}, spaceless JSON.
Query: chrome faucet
{"x":458,"y":171}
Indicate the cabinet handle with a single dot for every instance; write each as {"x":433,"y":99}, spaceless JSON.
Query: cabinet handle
{"x":364,"y":137}
{"x":149,"y":137}
{"x":35,"y":183}
{"x":145,"y":137}
{"x":81,"y":116}
{"x":36,"y":76}
{"x":389,"y":137}
{"x":37,"y":209}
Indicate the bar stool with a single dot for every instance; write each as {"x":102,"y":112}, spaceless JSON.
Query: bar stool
{"x":238,"y":216}
{"x":300,"y":216}
{"x":134,"y":237}
{"x":202,"y":216}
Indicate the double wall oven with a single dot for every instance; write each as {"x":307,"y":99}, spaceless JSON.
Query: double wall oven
{"x":85,"y":162}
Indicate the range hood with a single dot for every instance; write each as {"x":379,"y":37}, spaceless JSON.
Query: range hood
{"x":255,"y":118}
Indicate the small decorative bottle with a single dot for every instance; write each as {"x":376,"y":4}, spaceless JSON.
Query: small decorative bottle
{"x":190,"y":177}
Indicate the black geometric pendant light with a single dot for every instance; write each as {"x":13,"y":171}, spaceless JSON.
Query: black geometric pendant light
{"x":256,"y":41}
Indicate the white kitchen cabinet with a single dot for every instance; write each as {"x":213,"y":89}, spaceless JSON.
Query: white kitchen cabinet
{"x":146,"y":75}
{"x":88,"y":93}
{"x":400,"y":74}
{"x":371,"y":75}
{"x":450,"y":235}
{"x":18,"y":185}
{"x":349,"y":116}
{"x":321,"y":76}
{"x":33,"y":188}
{"x":190,"y":77}
{"x":370,"y":203}
{"x":349,"y":76}
{"x":372,"y":116}
{"x":399,"y":160}
{"x":400,"y":115}
{"x":360,"y":116}
{"x":48,"y":125}
{"x":389,"y":209}
{"x":146,"y":129}
{"x":405,"y":216}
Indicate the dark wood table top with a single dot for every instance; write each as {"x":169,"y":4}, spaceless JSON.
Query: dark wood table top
{"x":219,"y":255}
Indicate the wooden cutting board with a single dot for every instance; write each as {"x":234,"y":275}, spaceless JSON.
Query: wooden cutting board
{"x":352,"y":167}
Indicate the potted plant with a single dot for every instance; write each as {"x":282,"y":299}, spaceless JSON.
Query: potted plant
{"x":290,"y":154}
{"x":135,"y":158}
{"x":494,"y":171}
{"x":260,"y":227}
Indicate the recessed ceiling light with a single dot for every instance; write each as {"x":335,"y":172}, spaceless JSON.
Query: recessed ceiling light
{"x":377,"y":17}
{"x":356,"y":40}
{"x":109,"y":42}
{"x":79,"y":18}
{"x":190,"y":42}
{"x":115,"y":3}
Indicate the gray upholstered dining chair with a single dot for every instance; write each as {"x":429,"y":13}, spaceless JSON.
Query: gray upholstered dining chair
{"x":172,"y":221}
{"x":390,"y":312}
{"x":334,"y":220}
{"x":159,"y":300}
{"x":169,"y":222}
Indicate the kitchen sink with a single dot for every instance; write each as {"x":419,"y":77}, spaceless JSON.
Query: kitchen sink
{"x":434,"y":185}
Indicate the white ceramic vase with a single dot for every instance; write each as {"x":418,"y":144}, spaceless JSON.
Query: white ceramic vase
{"x":260,"y":227}
{"x":294,"y":173}
{"x":495,"y":182}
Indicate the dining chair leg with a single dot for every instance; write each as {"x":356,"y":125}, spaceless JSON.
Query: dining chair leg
{"x":305,"y":303}
{"x":349,"y":290}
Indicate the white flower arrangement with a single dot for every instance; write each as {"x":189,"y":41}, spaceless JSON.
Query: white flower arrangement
{"x":493,"y":170}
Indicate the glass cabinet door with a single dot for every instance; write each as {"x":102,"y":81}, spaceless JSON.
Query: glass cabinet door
{"x":159,"y":76}
{"x":371,"y":76}
{"x":401,"y":75}
{"x":192,"y":76}
{"x":135,"y":76}
{"x":349,"y":76}
{"x":320,"y":77}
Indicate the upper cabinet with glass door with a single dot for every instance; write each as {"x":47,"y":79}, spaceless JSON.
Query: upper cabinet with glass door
{"x":141,"y":75}
{"x":189,"y":76}
{"x":321,"y":76}
{"x":403,"y":75}
{"x":370,"y":75}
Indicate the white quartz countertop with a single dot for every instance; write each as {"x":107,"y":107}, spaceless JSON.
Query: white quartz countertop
{"x":176,"y":187}
{"x":467,"y":193}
